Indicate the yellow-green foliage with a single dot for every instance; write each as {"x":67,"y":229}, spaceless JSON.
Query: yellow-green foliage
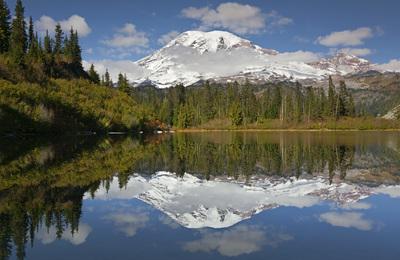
{"x":106,"y":159}
{"x":64,"y":105}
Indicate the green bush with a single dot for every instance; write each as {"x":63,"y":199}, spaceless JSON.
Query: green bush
{"x":67,"y":106}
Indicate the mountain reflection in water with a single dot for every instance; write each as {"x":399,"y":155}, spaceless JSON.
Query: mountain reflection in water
{"x":197,"y":181}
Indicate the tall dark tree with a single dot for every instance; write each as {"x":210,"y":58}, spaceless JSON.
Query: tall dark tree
{"x":31,"y":33}
{"x":76,"y":51}
{"x":47,"y":44}
{"x":5,"y":30}
{"x":18,"y":40}
{"x":58,"y":39}
{"x":93,"y":75}
{"x":123,"y":83}
{"x":107,"y":79}
{"x":332,"y":99}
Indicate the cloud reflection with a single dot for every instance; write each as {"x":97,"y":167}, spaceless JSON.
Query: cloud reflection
{"x":236,"y":241}
{"x":347,"y":220}
{"x":48,"y":236}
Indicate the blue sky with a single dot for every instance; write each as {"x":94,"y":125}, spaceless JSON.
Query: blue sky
{"x":126,"y":29}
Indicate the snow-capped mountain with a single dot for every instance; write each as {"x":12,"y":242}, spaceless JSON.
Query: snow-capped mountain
{"x":223,"y":202}
{"x":222,"y":56}
{"x":342,"y":63}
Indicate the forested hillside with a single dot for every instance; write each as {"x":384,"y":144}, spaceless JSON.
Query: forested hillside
{"x":44,"y":88}
{"x":282,"y":105}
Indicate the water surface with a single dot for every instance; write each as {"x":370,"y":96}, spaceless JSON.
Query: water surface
{"x":278,"y":195}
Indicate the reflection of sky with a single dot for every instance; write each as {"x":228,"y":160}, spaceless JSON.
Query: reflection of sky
{"x":196,"y":203}
{"x":120,"y":229}
{"x":48,"y":236}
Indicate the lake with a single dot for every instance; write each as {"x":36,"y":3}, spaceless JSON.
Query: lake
{"x":216,"y":195}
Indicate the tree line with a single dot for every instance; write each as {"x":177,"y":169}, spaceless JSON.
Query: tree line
{"x":246,"y":104}
{"x":39,"y":58}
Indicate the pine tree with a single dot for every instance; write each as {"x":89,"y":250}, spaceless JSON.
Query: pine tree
{"x":47,"y":45}
{"x":298,"y":109}
{"x":107,"y":79}
{"x":93,"y":75}
{"x":343,"y":103}
{"x":236,"y":114}
{"x":58,"y":39}
{"x":351,"y":107}
{"x":331,"y":108}
{"x":123,"y":84}
{"x":31,"y":33}
{"x":5,"y":29}
{"x":18,"y":38}
{"x":76,"y":50}
{"x":276,"y":103}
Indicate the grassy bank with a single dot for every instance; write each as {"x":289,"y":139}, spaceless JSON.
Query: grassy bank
{"x":347,"y":123}
{"x":63,"y":106}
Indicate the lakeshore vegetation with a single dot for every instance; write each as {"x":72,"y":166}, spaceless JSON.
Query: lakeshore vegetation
{"x":45,"y":89}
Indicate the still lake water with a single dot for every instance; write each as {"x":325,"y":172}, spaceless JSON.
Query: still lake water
{"x":222,"y":195}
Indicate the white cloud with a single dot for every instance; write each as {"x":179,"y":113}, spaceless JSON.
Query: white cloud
{"x":299,"y":56}
{"x":131,"y":69}
{"x":46,"y":23}
{"x":89,"y":51}
{"x":347,"y":37}
{"x":128,"y":36}
{"x":48,"y":236}
{"x":236,"y":241}
{"x":347,"y":220}
{"x":275,"y":20}
{"x":166,"y":38}
{"x":128,"y":223}
{"x":356,"y":205}
{"x":392,"y":191}
{"x":393,"y":65}
{"x":238,"y":18}
{"x":360,"y":52}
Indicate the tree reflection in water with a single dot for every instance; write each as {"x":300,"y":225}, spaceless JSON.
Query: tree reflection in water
{"x":42,"y":182}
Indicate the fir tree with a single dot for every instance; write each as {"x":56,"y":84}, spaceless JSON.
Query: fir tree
{"x":58,"y":39}
{"x":93,"y":75}
{"x":331,"y":108}
{"x":18,"y":38}
{"x":31,"y":33}
{"x":5,"y":30}
{"x":107,"y":79}
{"x":236,"y":114}
{"x":47,"y":45}
{"x":123,"y":84}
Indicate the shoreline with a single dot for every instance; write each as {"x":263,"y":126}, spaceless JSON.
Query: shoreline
{"x":199,"y":130}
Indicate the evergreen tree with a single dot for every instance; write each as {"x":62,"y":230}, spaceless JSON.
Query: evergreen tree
{"x":18,"y":38}
{"x":93,"y":75}
{"x":331,"y":108}
{"x":351,"y":106}
{"x":107,"y":79}
{"x":76,"y":51}
{"x":58,"y":39}
{"x":5,"y":30}
{"x":47,"y":44}
{"x":343,"y":102}
{"x":276,"y":103}
{"x":298,"y":108}
{"x":236,"y":114}
{"x":123,"y":84}
{"x":31,"y":33}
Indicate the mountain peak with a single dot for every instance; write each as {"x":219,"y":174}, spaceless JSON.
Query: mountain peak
{"x":343,"y":63}
{"x":212,"y":41}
